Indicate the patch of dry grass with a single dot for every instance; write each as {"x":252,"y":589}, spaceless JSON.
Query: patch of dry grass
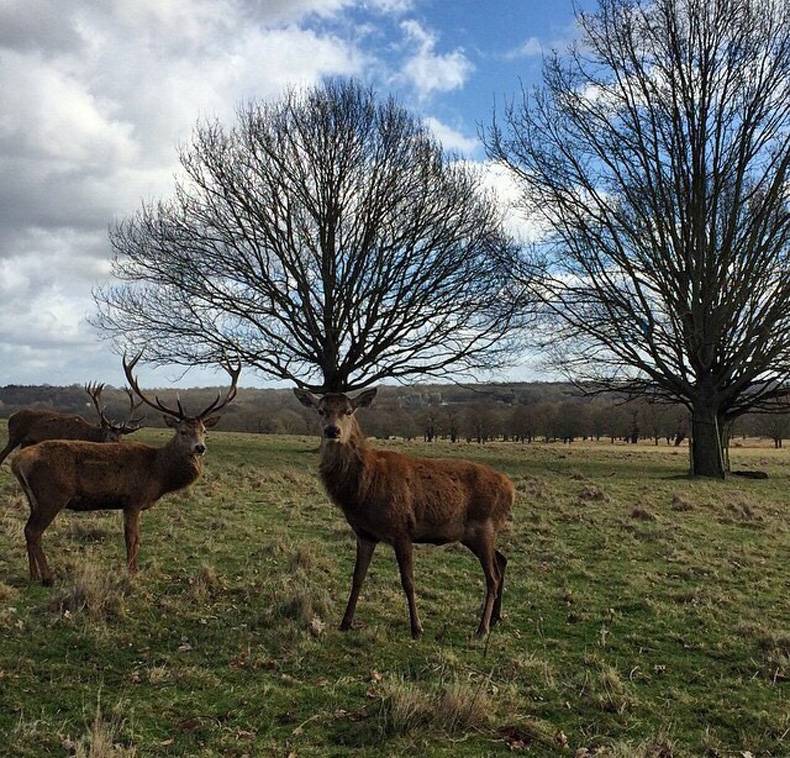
{"x":605,"y":687}
{"x":101,"y":739}
{"x":205,"y":582}
{"x":454,"y":708}
{"x":660,"y":747}
{"x":774,"y":647}
{"x":92,"y":589}
{"x":6,"y":592}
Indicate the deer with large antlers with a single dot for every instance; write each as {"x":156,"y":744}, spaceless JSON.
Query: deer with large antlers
{"x":390,"y":497}
{"x":30,"y":426}
{"x":85,"y":476}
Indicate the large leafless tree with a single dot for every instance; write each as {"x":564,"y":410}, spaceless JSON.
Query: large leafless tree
{"x":656,"y":155}
{"x":326,"y":239}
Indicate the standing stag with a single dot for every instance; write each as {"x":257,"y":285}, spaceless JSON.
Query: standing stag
{"x":85,"y":476}
{"x":31,"y":425}
{"x":390,"y":497}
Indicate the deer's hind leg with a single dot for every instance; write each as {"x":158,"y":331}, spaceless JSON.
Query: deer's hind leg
{"x":501,"y":562}
{"x":131,"y":531}
{"x":43,"y":509}
{"x":482,"y":545}
{"x":404,"y":554}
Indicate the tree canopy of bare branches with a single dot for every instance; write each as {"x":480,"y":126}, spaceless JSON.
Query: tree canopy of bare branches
{"x":326,"y":239}
{"x":657,"y":153}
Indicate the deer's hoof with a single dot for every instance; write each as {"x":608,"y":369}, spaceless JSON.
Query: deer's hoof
{"x":416,"y":633}
{"x":47,"y":581}
{"x":345,"y":626}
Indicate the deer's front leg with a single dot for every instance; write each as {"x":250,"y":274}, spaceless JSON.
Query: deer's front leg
{"x":365,"y":548}
{"x":131,"y":530}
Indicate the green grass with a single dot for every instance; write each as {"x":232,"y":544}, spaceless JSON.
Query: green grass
{"x":645,"y":613}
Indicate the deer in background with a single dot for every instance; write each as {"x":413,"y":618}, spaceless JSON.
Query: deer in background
{"x":30,"y":426}
{"x":86,"y":476}
{"x":390,"y":497}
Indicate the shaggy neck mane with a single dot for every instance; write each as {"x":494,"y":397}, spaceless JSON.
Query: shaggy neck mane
{"x":340,"y":460}
{"x":179,"y":469}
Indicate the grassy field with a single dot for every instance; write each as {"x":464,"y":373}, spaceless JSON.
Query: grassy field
{"x":645,"y":615}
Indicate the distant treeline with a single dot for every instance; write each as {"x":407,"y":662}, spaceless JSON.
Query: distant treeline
{"x":519,"y":412}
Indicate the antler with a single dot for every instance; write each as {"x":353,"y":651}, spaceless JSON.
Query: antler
{"x":131,"y":423}
{"x":219,"y":403}
{"x":94,"y":390}
{"x":156,"y":403}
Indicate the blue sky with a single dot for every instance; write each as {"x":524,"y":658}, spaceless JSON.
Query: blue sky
{"x":94,"y":97}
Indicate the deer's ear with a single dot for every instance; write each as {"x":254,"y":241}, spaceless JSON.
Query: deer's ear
{"x":306,"y":398}
{"x":364,"y":399}
{"x":211,"y":421}
{"x":170,"y":421}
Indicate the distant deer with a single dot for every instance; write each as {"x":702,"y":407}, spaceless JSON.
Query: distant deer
{"x":86,"y":476}
{"x":390,"y":497}
{"x":30,"y":426}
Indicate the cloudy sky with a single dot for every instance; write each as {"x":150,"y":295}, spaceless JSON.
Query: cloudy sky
{"x":95,"y":97}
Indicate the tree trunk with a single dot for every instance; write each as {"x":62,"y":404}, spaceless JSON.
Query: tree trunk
{"x":707,"y":452}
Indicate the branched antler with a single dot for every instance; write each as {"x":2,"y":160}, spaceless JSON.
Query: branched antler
{"x":216,"y":405}
{"x":94,"y":390}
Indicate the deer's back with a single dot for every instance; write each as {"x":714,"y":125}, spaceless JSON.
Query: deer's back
{"x":442,"y":487}
{"x":95,"y":475}
{"x":431,"y":499}
{"x":31,"y":426}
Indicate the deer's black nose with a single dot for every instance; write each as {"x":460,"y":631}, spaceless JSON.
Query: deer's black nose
{"x":200,"y":449}
{"x":332,"y":432}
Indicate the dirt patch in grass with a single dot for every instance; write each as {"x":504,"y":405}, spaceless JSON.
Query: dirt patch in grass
{"x":643,"y":514}
{"x":86,"y":531}
{"x":680,"y":503}
{"x":593,"y":493}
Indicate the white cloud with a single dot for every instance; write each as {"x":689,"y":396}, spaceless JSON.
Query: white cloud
{"x":450,"y":138}
{"x":428,"y":70}
{"x":94,"y":98}
{"x":391,"y":6}
{"x":499,"y":181}
{"x":529,"y":48}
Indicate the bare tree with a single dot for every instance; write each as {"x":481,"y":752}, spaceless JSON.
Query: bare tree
{"x":452,"y":422}
{"x":325,"y":239}
{"x":775,"y":426}
{"x":656,"y":155}
{"x":524,"y":422}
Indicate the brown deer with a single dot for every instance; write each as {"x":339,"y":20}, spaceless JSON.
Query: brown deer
{"x":390,"y":497}
{"x":30,"y":426}
{"x":86,"y":476}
